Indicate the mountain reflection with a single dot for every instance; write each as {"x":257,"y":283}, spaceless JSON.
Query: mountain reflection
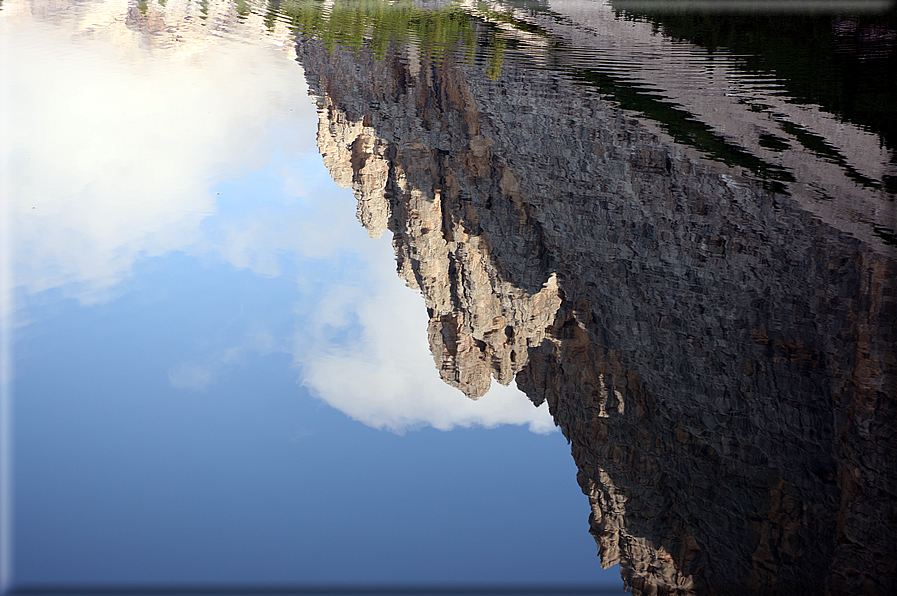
{"x":693,"y":270}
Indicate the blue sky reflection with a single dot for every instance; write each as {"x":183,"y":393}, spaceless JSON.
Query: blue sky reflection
{"x":190,"y":289}
{"x":227,"y":172}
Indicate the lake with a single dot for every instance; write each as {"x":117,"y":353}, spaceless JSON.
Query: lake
{"x":419,"y":297}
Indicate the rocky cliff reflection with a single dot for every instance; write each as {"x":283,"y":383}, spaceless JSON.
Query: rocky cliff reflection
{"x":714,"y":338}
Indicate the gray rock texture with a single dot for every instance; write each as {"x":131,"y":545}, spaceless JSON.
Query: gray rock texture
{"x":721,"y":360}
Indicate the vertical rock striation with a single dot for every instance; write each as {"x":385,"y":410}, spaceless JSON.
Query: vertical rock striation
{"x":484,"y":316}
{"x":721,"y":361}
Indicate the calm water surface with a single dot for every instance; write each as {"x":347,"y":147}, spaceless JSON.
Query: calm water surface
{"x":326,"y":294}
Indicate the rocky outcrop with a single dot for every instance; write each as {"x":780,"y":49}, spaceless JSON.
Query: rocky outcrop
{"x":721,"y":360}
{"x":482,"y":325}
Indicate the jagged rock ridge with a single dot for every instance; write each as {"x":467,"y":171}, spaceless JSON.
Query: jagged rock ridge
{"x":721,"y":361}
{"x":481,"y":324}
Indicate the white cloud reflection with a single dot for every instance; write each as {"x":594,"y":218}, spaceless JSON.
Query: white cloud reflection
{"x":113,"y":157}
{"x":190,"y":376}
{"x":382,"y":373}
{"x":111,"y":150}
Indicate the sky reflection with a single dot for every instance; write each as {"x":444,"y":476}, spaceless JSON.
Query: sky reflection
{"x":212,"y":153}
{"x":187,"y":294}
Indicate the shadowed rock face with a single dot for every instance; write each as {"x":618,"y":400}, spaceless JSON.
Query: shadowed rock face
{"x":481,"y":322}
{"x":721,"y":361}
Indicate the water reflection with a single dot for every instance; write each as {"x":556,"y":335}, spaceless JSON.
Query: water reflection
{"x":694,"y":270}
{"x":120,"y":172}
{"x":163,"y":319}
{"x":690,"y":262}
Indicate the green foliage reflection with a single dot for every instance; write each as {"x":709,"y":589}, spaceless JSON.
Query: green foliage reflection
{"x":375,"y":24}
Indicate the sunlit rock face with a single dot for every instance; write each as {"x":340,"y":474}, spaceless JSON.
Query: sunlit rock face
{"x":721,"y":360}
{"x":485,"y":314}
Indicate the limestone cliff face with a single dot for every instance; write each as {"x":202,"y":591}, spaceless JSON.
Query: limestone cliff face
{"x":721,"y":360}
{"x":482,"y":324}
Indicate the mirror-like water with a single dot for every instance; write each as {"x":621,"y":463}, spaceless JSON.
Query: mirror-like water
{"x":665,"y":231}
